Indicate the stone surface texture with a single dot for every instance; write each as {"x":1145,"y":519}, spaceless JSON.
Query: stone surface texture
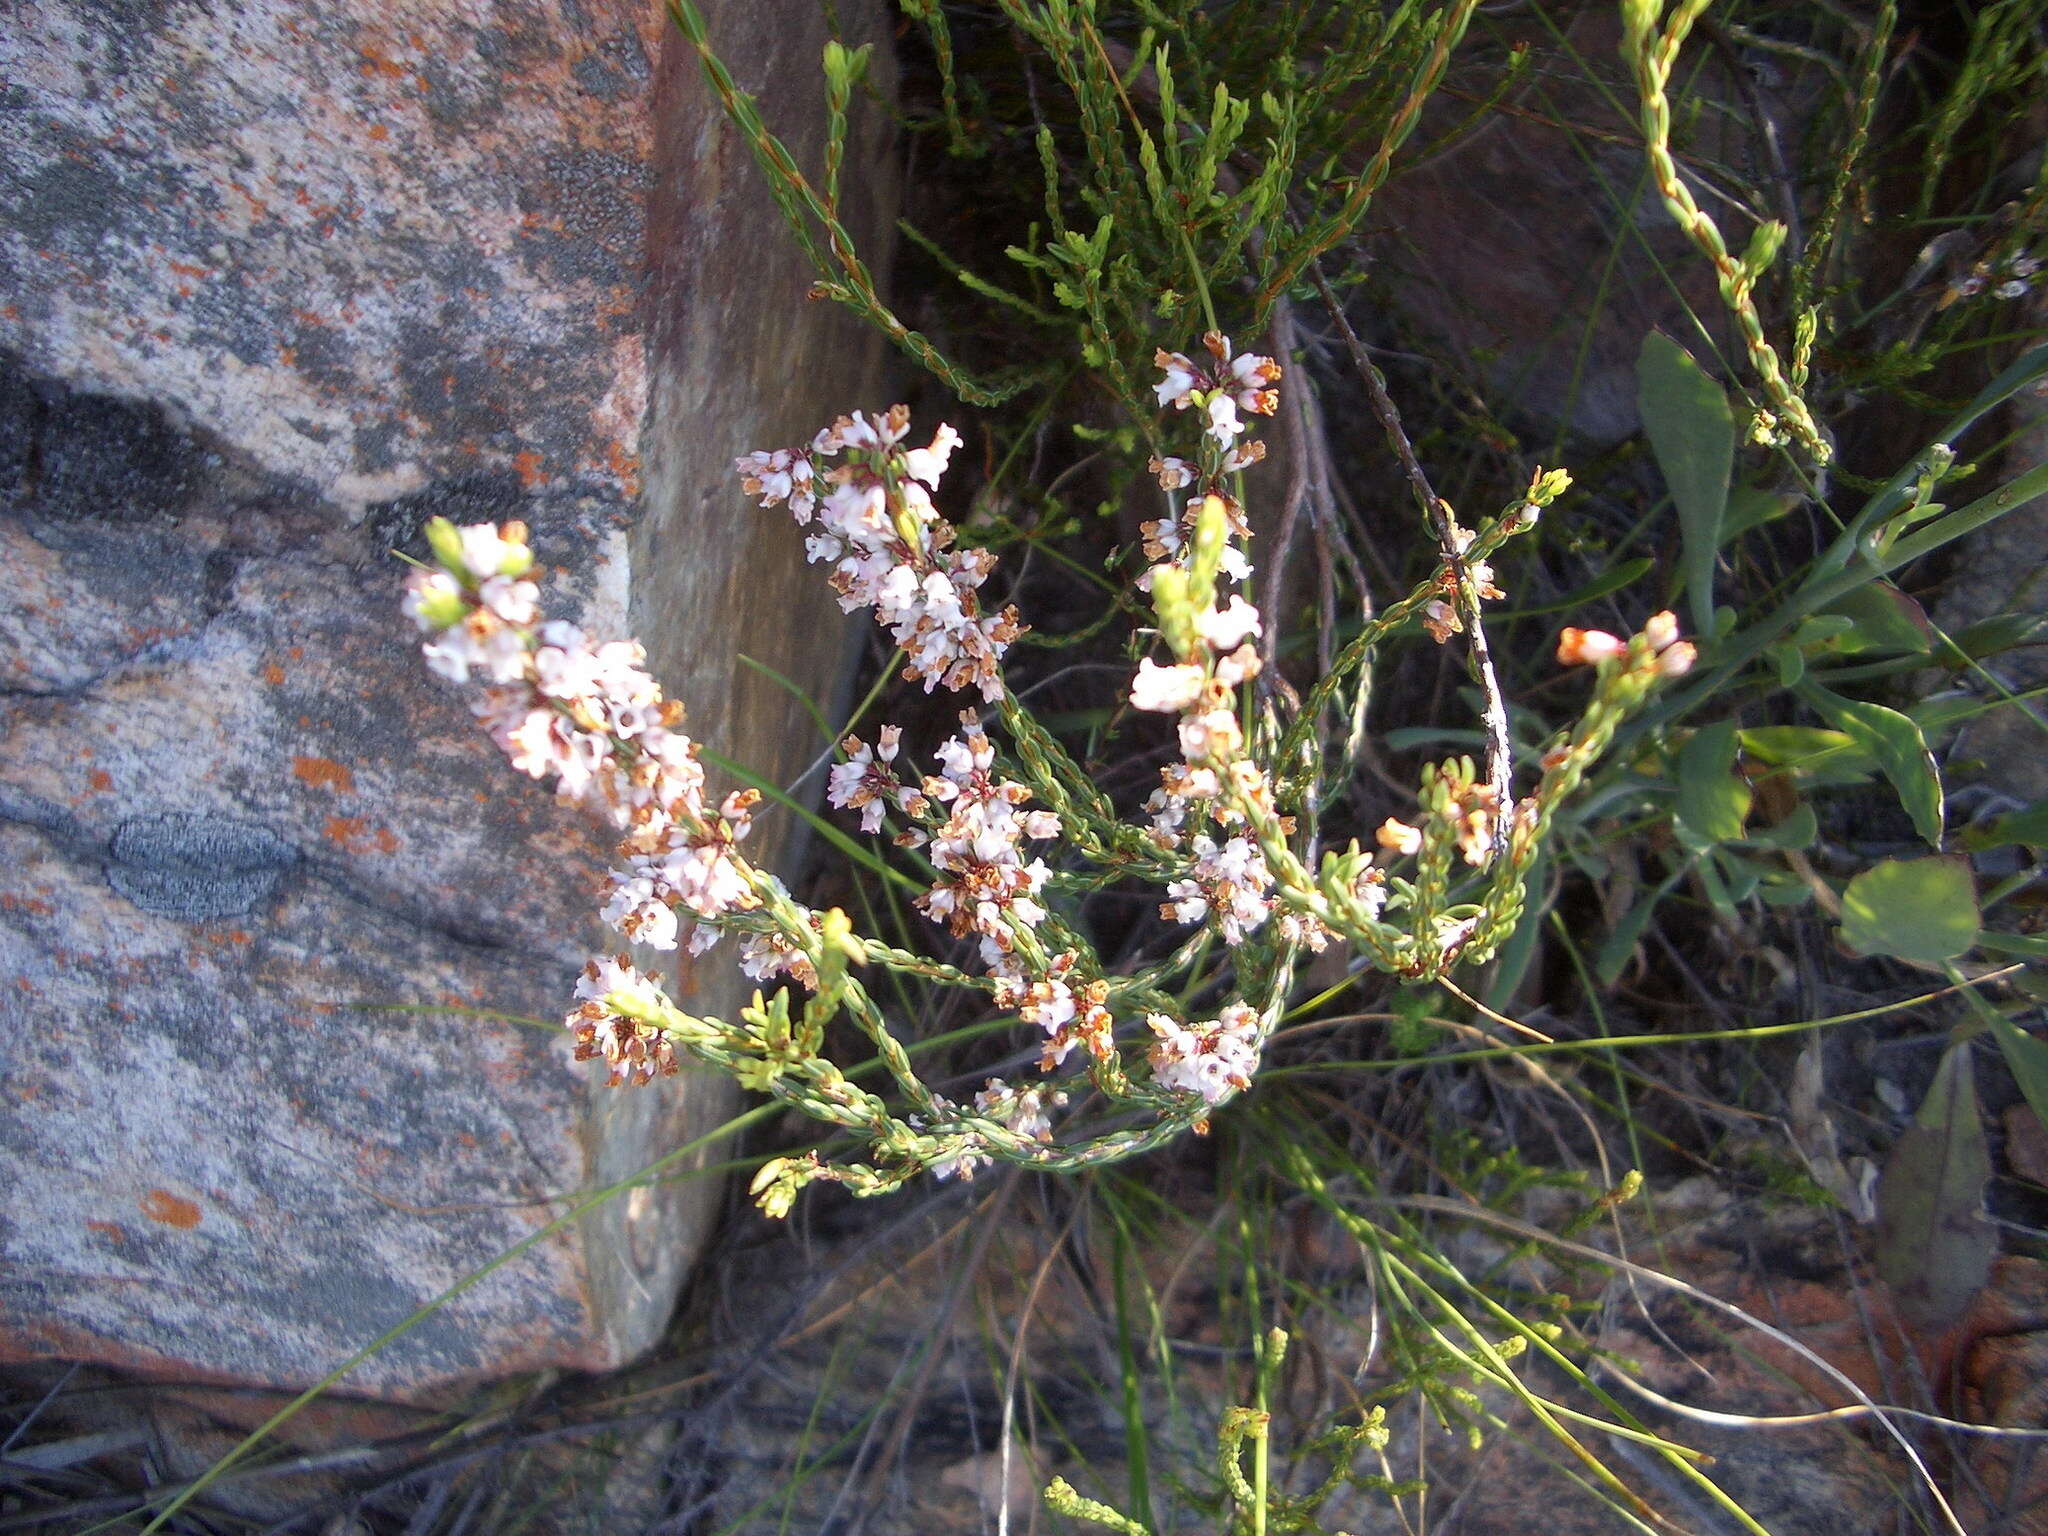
{"x":279,"y":280}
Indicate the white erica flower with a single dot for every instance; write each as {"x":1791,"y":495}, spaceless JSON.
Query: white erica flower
{"x":1168,"y":690}
{"x":634,"y":1052}
{"x":888,"y":548}
{"x":1230,"y":883}
{"x":865,"y":780}
{"x":1210,"y":1058}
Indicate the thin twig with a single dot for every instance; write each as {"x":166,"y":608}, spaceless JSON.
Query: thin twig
{"x":1494,"y":709}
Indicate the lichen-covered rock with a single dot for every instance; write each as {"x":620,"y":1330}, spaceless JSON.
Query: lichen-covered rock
{"x":278,"y":281}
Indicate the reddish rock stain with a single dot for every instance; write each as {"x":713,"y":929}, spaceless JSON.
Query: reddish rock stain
{"x":100,"y":780}
{"x":172,"y":1210}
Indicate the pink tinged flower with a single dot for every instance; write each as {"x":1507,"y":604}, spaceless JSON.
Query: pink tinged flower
{"x":450,"y":656}
{"x":1676,"y":660}
{"x":532,"y":745}
{"x":1039,"y":825}
{"x":1187,"y":904}
{"x":1211,"y":735}
{"x":1587,"y":647}
{"x":485,"y":553}
{"x":1173,"y":473}
{"x":1223,"y":422}
{"x":1166,"y":690}
{"x":928,"y":464}
{"x":1239,"y":666}
{"x":1243,"y":456}
{"x":1250,"y":376}
{"x":1399,"y":837}
{"x":1228,"y":627}
{"x":1180,"y":377}
{"x":1440,"y":619}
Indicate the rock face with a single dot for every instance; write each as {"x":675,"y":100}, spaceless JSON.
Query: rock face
{"x":278,"y":281}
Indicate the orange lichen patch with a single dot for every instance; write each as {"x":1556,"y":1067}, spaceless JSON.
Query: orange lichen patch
{"x":355,"y":834}
{"x":528,"y":464}
{"x":100,"y":780}
{"x":112,"y":1230}
{"x":324,"y":773}
{"x":376,"y":63}
{"x":625,"y":468}
{"x":183,"y":270}
{"x":35,"y":905}
{"x":172,"y":1210}
{"x":345,"y":831}
{"x":379,"y":133}
{"x":273,"y":674}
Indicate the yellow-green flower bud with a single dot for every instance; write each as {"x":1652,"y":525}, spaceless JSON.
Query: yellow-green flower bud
{"x":1764,"y":243}
{"x":440,"y":606}
{"x":1175,"y":608}
{"x":445,"y":540}
{"x":1212,"y":532}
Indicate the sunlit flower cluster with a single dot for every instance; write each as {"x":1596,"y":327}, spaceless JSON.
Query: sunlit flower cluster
{"x":635,"y":1053}
{"x":1219,"y":387}
{"x":986,"y":883}
{"x":1440,"y":614}
{"x":1027,"y":1112}
{"x":887,"y":545}
{"x":1070,"y":1010}
{"x":590,"y":718}
{"x":1229,"y":882}
{"x":867,"y":782}
{"x":1183,"y":791}
{"x":1590,"y":647}
{"x":1209,"y":1059}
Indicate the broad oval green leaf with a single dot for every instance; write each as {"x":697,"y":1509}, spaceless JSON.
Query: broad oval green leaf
{"x":1886,"y":621}
{"x":1923,"y":910}
{"x":1900,"y":751}
{"x":1691,"y":428}
{"x":1713,"y":803}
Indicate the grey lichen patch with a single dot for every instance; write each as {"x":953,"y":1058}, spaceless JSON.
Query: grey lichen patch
{"x":69,"y":455}
{"x":197,"y":867}
{"x":437,"y":290}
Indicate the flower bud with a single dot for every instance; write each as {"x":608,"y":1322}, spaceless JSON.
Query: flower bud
{"x":836,"y":928}
{"x":434,"y":601}
{"x":1676,"y":660}
{"x":445,"y":540}
{"x":1660,"y":629}
{"x":1212,"y":531}
{"x":778,"y":1183}
{"x":1175,"y":610}
{"x":1587,"y":647}
{"x":1399,"y":837}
